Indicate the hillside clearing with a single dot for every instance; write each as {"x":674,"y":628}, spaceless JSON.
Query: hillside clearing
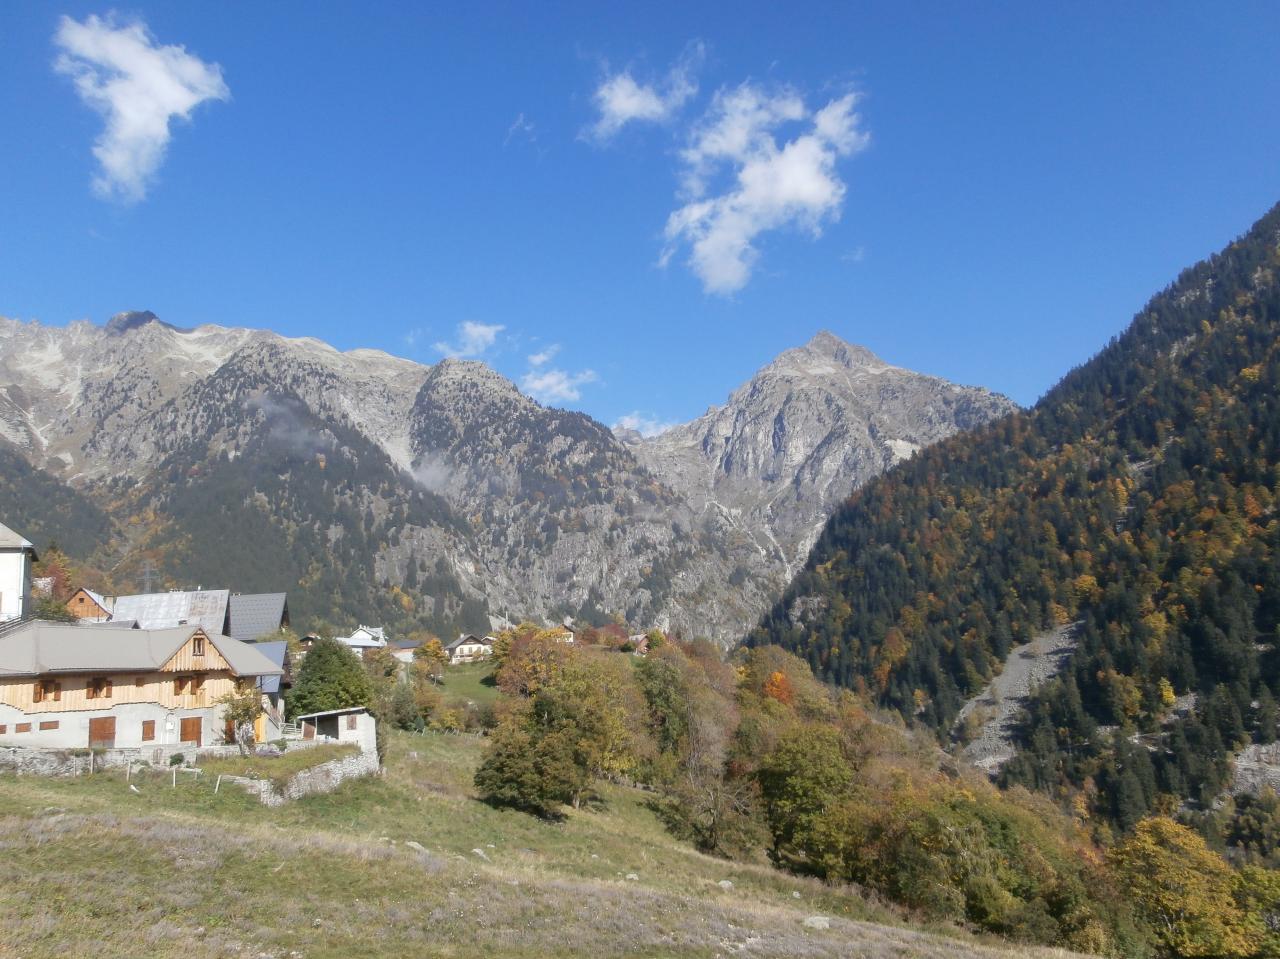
{"x":97,"y":869}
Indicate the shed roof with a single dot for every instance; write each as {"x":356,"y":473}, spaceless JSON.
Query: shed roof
{"x":41,"y":647}
{"x":257,"y":614}
{"x":206,"y":608}
{"x":334,"y":712}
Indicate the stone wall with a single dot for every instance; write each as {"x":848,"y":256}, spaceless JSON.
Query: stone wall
{"x":310,"y":782}
{"x":36,"y":761}
{"x":75,"y":762}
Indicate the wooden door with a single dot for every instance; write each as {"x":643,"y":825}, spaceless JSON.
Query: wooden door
{"x":102,"y":732}
{"x":189,"y":731}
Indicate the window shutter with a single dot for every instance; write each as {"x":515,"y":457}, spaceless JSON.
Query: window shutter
{"x":91,"y":689}
{"x":106,"y":688}
{"x":57,"y":692}
{"x":38,"y":695}
{"x":177,"y":685}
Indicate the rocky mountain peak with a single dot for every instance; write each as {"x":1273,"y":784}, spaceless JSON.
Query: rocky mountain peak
{"x":450,"y":482}
{"x":132,"y":320}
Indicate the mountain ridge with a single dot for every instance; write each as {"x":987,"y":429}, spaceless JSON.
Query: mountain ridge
{"x":537,"y":512}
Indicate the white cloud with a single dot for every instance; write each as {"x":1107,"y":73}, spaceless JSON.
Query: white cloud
{"x":549,"y":386}
{"x":521,"y":128}
{"x":543,"y":357}
{"x":473,"y":339}
{"x":769,"y":185}
{"x":620,"y":99}
{"x":138,"y":87}
{"x":643,"y":423}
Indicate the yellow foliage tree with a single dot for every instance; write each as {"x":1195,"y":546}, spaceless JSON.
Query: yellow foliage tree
{"x":1184,"y":890}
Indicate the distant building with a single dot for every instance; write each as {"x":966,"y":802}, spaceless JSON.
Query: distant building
{"x":62,"y":686}
{"x":16,"y":556}
{"x":365,"y":638}
{"x":469,"y":649}
{"x":89,"y":607}
{"x":403,"y":649}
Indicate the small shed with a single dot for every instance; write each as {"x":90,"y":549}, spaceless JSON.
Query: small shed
{"x":354,"y":724}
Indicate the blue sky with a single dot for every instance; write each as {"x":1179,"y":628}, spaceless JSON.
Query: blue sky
{"x":651,"y":202}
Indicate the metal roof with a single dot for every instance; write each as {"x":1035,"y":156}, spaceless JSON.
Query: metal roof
{"x":275,"y":652}
{"x":256,"y":614}
{"x":205,"y":608}
{"x":40,"y":647}
{"x":334,"y":712}
{"x":11,"y":540}
{"x":99,"y":599}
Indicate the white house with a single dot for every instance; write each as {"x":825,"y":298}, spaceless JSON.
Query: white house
{"x":467,"y":649}
{"x":16,"y":556}
{"x":365,"y":637}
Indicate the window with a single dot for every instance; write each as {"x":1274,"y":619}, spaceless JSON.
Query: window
{"x":49,"y":725}
{"x":48,"y":689}
{"x":3,"y":729}
{"x":22,"y":728}
{"x":148,"y":730}
{"x":98,"y":688}
{"x":179,"y":685}
{"x":197,"y":646}
{"x":140,"y":681}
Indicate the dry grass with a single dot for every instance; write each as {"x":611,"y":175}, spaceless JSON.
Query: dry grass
{"x":94,"y":869}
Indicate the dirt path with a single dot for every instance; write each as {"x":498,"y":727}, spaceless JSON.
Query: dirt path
{"x":1025,"y":668}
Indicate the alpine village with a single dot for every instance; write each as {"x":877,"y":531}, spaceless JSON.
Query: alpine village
{"x":312,"y":651}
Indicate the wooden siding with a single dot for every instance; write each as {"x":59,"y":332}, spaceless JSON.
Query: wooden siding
{"x":155,"y":688}
{"x":186,"y":661}
{"x":83,"y":605}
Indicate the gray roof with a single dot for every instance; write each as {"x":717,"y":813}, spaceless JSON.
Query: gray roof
{"x":469,"y":638}
{"x":276,"y":653}
{"x":11,"y":540}
{"x":98,"y":598}
{"x":40,"y":647}
{"x":205,"y":608}
{"x":257,"y":614}
{"x":334,"y":712}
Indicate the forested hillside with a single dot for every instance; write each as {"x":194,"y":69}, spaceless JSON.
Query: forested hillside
{"x":49,"y":510}
{"x":1139,"y":498}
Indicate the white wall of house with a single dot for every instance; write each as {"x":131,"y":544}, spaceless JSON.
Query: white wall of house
{"x":72,"y":731}
{"x":15,"y":583}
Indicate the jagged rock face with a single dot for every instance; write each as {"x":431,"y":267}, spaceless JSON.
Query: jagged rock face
{"x":802,"y":434}
{"x":437,"y":495}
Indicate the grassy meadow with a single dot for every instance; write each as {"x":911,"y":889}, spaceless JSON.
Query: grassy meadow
{"x":93,"y":868}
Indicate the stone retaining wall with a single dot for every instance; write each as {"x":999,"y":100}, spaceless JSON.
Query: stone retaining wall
{"x":37,"y":761}
{"x":310,"y":782}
